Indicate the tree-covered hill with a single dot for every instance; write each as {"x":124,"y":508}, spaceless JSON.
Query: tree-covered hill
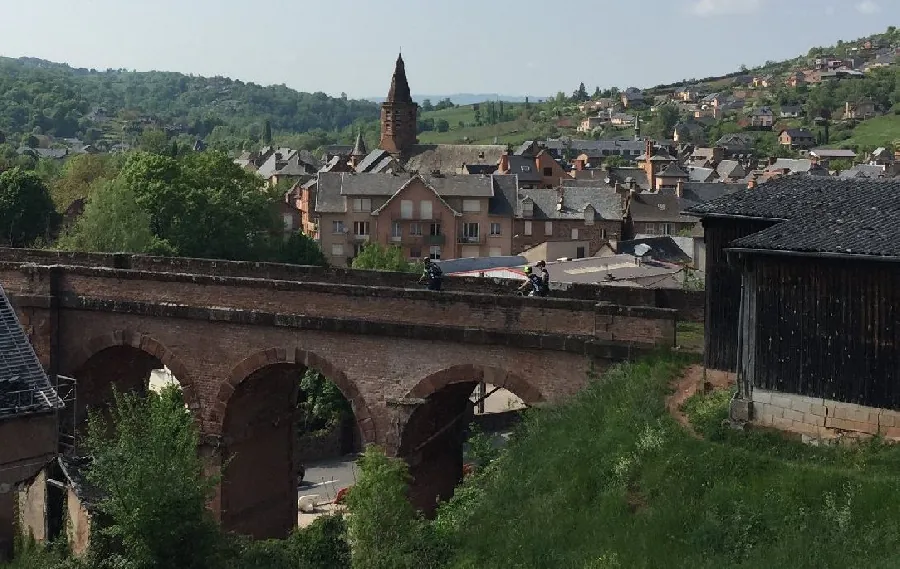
{"x":41,"y":97}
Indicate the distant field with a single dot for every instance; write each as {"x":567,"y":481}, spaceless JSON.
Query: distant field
{"x":511,"y":132}
{"x":874,"y":132}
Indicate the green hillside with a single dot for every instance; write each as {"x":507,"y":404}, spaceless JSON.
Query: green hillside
{"x":611,"y":480}
{"x":41,"y":97}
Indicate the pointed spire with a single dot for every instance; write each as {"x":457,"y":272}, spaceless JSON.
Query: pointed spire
{"x":359,"y":149}
{"x":399,"y":92}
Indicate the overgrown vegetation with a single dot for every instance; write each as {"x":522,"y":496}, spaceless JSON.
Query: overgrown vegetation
{"x":375,"y":256}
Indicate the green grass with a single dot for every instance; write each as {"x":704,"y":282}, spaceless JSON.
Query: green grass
{"x":510,"y":132}
{"x":874,"y":132}
{"x":611,"y":480}
{"x":689,"y":336}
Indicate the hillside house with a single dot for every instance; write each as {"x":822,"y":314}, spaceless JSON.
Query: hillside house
{"x":796,"y":138}
{"x":812,"y":293}
{"x":632,"y":97}
{"x":860,"y":110}
{"x":661,"y":213}
{"x":762,"y":118}
{"x":790,"y":111}
{"x":795,"y":79}
{"x":28,"y":416}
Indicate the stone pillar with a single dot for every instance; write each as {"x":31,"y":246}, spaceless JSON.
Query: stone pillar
{"x":210,"y":451}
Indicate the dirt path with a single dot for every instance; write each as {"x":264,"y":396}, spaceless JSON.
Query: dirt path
{"x":691,"y":381}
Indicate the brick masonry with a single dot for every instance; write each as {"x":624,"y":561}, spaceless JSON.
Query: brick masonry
{"x":690,"y":304}
{"x":820,"y":418}
{"x":236,"y":344}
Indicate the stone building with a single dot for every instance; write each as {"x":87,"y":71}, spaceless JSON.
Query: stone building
{"x":28,"y":416}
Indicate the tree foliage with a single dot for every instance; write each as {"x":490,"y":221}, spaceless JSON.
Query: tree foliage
{"x":380,"y":258}
{"x":79,"y":174}
{"x":26,"y":208}
{"x":384,"y":530}
{"x":323,"y":404}
{"x":154,"y":492}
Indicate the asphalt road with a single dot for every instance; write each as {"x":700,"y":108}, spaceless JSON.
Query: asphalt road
{"x":327,"y":477}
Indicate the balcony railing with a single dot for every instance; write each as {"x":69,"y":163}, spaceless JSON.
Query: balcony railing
{"x":417,"y":218}
{"x":470,"y":239}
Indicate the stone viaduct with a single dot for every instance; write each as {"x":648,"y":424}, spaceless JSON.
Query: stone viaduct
{"x":236,"y":338}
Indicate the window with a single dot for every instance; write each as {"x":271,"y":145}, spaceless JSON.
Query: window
{"x":337,"y":250}
{"x":471,"y":206}
{"x":602,"y":234}
{"x":362,"y":204}
{"x":548,"y":228}
{"x":527,"y":228}
{"x":435,"y":229}
{"x":666,"y":229}
{"x":288,"y":221}
{"x":361,"y":228}
{"x":434,"y":252}
{"x":415,"y":254}
{"x":470,"y":233}
{"x":574,"y":234}
{"x":650,"y":229}
{"x":406,"y":209}
{"x":337,"y":226}
{"x":425,"y":209}
{"x":415,"y":229}
{"x":579,"y":253}
{"x":495,"y":252}
{"x":548,"y":171}
{"x":495,"y":229}
{"x":396,"y":231}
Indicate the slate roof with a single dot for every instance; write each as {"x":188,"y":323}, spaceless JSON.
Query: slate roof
{"x":371,"y":160}
{"x":704,"y":192}
{"x":464,"y":265}
{"x":796,"y":196}
{"x":621,"y":175}
{"x":863,"y":171}
{"x":450,"y":158}
{"x":525,"y":168}
{"x":606,"y":202}
{"x":506,"y":188}
{"x":673,"y":171}
{"x":595,"y":147}
{"x":75,"y":471}
{"x":730,"y":169}
{"x":697,"y":174}
{"x":662,"y":248}
{"x":484,"y":169}
{"x":333,"y":187}
{"x":659,"y":207}
{"x":24,"y":387}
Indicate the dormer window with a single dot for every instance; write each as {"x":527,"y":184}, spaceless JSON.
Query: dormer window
{"x":526,"y":168}
{"x":661,"y":206}
{"x":527,"y":208}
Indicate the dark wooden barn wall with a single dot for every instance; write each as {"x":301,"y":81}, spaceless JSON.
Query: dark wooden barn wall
{"x":723,"y":290}
{"x":827,"y":328}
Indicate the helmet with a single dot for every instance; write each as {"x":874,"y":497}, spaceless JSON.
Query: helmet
{"x":542,"y":263}
{"x":426,"y":260}
{"x":527,"y":270}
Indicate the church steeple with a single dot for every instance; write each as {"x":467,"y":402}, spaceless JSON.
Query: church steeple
{"x":359,"y":150}
{"x":399,"y":92}
{"x":399,"y":114}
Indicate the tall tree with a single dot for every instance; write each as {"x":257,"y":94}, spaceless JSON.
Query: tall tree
{"x":377,"y":257}
{"x":267,"y":133}
{"x":26,"y":208}
{"x":152,"y":483}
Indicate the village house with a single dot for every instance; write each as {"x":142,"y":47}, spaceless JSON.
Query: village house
{"x":632,"y":97}
{"x":441,"y":217}
{"x":762,"y":118}
{"x":790,"y":111}
{"x":796,"y":138}
{"x":823,"y":155}
{"x":588,"y":124}
{"x":795,"y":79}
{"x":28,"y":417}
{"x":661,"y":213}
{"x":598,"y":105}
{"x":788,"y":268}
{"x":861,"y":110}
{"x":592,"y":215}
{"x":762,"y":81}
{"x":687,"y":94}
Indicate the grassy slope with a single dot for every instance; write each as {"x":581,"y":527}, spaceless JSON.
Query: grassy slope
{"x":511,"y":132}
{"x":874,"y":132}
{"x":610,"y":480}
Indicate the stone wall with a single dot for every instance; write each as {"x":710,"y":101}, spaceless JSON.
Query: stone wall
{"x":688,"y":303}
{"x":821,"y":418}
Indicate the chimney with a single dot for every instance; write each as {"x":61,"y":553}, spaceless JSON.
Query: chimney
{"x":772,"y":160}
{"x":648,"y":165}
{"x":679,"y":189}
{"x":504,"y":162}
{"x":751,"y":184}
{"x":579,"y":164}
{"x":619,"y":189}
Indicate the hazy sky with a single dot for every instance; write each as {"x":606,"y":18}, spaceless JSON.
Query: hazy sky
{"x":515,"y":47}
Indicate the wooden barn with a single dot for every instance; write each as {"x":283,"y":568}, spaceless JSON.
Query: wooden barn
{"x":733,"y":216}
{"x":816,"y":328}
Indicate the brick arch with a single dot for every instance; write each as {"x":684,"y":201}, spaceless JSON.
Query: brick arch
{"x":272,"y":356}
{"x":148,"y":345}
{"x":467,"y":373}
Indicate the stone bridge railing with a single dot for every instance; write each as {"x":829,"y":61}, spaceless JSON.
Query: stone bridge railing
{"x":689,"y":304}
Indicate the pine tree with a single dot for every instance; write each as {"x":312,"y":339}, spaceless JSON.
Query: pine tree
{"x":267,"y":133}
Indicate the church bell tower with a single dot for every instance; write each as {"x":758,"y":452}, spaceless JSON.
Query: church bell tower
{"x":399,"y":114}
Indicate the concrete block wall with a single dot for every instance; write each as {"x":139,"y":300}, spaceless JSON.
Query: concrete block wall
{"x":822,"y":418}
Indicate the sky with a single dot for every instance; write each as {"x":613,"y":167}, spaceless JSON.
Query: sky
{"x":521,"y":47}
